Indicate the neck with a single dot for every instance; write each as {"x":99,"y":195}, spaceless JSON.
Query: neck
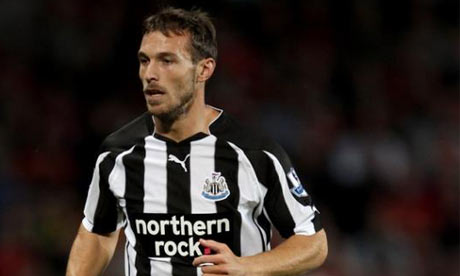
{"x":196,"y":119}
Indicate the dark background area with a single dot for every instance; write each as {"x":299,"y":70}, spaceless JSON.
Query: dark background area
{"x":363,"y":95}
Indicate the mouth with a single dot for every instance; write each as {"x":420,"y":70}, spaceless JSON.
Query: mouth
{"x":154,"y":96}
{"x":153,"y":92}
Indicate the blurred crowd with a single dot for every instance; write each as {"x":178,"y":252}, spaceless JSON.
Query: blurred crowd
{"x":362,"y":94}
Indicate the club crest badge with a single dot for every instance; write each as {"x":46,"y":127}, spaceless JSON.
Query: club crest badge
{"x":215,"y":188}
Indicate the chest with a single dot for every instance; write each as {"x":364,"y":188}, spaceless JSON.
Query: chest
{"x":206,"y":176}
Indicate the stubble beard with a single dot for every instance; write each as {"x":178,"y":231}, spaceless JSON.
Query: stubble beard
{"x":171,"y":115}
{"x":175,"y":112}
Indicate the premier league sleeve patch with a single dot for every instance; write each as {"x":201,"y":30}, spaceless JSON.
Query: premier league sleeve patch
{"x":297,"y":189}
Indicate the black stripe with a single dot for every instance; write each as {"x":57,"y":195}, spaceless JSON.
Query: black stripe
{"x":260,"y":163}
{"x":266,"y":226}
{"x":106,"y":214}
{"x":134,"y":195}
{"x":306,"y":201}
{"x":276,"y":205}
{"x":258,"y":228}
{"x":317,"y":222}
{"x":226,"y":163}
{"x":178,"y":195}
{"x":178,"y":188}
{"x":181,"y":269}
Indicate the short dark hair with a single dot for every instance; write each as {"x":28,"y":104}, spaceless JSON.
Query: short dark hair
{"x":194,"y":22}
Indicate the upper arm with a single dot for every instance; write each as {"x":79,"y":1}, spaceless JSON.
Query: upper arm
{"x":289,"y":206}
{"x":102,"y":211}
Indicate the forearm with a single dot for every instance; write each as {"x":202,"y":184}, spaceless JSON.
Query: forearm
{"x":90,"y":253}
{"x":295,"y":255}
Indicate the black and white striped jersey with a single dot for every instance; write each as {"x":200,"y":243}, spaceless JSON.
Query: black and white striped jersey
{"x":230,"y":185}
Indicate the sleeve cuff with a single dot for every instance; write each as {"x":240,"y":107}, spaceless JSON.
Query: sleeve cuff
{"x":90,"y":226}
{"x":310,"y":226}
{"x":87,"y":224}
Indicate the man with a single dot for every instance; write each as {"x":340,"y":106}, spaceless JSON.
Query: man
{"x":194,"y":191}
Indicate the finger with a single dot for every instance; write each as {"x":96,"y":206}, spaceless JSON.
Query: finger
{"x":214,"y":259}
{"x":214,"y":269}
{"x":216,"y":246}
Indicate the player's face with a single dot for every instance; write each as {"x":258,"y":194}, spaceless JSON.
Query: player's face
{"x":167,"y":73}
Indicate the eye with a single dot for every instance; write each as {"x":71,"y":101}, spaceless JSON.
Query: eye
{"x":167,"y":61}
{"x":143,"y":60}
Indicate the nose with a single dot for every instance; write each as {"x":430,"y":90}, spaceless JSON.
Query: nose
{"x":151,"y":72}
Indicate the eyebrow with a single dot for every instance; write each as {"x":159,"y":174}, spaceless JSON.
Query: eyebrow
{"x":166,"y":54}
{"x":141,"y":54}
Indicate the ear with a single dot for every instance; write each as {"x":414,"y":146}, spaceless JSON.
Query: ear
{"x":205,"y":69}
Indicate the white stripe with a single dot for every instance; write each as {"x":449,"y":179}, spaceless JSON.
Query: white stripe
{"x":160,"y":266}
{"x":248,"y":184}
{"x":132,"y":260}
{"x":93,"y":194}
{"x":117,"y":182}
{"x":201,"y":167}
{"x":155,"y":192}
{"x":130,"y":237}
{"x":271,"y":229}
{"x":302,"y":215}
{"x":126,"y":259}
{"x":117,"y":178}
{"x":155,"y":176}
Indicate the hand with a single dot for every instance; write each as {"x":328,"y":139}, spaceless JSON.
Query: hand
{"x":224,"y":262}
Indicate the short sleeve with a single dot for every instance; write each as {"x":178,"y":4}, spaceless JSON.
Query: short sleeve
{"x":287,"y":203}
{"x":102,"y":212}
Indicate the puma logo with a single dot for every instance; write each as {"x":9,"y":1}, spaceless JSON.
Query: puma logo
{"x":176,"y":160}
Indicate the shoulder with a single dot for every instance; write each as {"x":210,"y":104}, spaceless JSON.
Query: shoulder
{"x":130,"y":134}
{"x":248,"y":139}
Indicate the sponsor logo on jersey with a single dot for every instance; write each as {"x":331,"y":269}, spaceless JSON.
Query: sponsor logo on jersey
{"x":178,"y":161}
{"x":297,"y":188}
{"x":215,"y":188}
{"x":177,"y":235}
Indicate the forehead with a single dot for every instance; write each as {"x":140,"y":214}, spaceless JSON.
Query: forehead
{"x":156,"y":42}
